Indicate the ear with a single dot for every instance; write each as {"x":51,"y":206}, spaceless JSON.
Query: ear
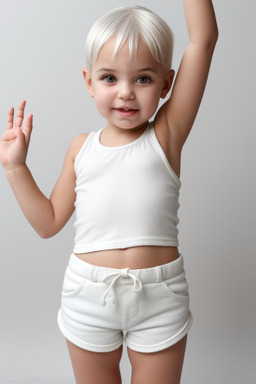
{"x":88,"y":81}
{"x":167,"y":83}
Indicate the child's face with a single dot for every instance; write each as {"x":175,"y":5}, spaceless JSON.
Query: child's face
{"x":127,"y":89}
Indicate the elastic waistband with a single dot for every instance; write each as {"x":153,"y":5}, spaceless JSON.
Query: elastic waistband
{"x":146,"y":276}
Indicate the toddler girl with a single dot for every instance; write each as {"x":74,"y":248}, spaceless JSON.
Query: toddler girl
{"x":125,"y":277}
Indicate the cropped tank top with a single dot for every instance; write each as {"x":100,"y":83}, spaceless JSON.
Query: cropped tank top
{"x":125,"y":196}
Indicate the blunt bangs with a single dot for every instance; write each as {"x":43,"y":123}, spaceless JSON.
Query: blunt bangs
{"x":131,"y":24}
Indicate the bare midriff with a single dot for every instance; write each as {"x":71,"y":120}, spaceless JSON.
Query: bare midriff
{"x":133,"y":257}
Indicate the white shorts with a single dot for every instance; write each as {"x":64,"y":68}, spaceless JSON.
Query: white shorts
{"x":102,"y":306}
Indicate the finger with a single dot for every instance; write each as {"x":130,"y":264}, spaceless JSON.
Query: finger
{"x":28,"y":125}
{"x":20,"y":138}
{"x":20,"y":114}
{"x":10,"y":118}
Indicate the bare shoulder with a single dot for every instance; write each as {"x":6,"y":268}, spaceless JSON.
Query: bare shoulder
{"x":76,"y":144}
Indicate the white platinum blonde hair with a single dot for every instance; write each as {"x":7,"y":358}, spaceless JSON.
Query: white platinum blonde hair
{"x":131,"y":24}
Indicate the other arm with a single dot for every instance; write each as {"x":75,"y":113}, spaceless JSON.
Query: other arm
{"x":182,"y":107}
{"x":47,"y":216}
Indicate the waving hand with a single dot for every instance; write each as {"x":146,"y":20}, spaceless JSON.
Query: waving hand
{"x":15,"y":140}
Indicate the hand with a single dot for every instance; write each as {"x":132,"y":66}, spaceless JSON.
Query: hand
{"x":15,"y":140}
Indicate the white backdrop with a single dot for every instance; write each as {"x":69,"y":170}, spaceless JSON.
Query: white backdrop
{"x":42,"y":56}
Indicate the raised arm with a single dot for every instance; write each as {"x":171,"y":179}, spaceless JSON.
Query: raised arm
{"x":182,"y":107}
{"x":47,"y":216}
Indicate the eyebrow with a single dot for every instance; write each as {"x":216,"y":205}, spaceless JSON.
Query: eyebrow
{"x":105,"y":70}
{"x":147,"y":69}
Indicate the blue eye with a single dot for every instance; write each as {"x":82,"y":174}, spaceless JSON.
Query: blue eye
{"x":143,"y":80}
{"x":110,"y":79}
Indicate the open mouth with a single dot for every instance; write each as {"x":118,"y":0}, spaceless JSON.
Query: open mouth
{"x":126,"y":112}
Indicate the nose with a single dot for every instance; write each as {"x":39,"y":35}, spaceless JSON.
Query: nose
{"x":126,"y":91}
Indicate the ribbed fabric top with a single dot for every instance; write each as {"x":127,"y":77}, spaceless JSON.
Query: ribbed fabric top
{"x":126,"y":195}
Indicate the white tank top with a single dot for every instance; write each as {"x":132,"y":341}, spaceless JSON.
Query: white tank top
{"x":126,"y":196}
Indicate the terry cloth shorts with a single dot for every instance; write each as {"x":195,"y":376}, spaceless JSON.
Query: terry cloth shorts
{"x":102,"y":306}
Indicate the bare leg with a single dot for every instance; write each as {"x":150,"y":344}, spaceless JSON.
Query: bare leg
{"x":95,"y":368}
{"x":162,"y":367}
